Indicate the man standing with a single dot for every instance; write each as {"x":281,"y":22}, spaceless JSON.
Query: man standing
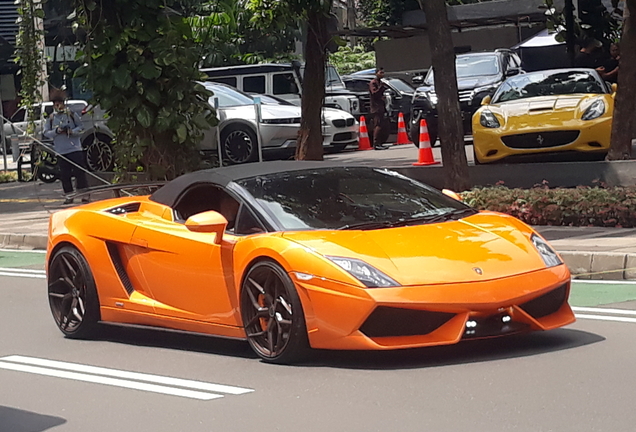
{"x":378,"y":109}
{"x":588,"y":57}
{"x":65,"y":127}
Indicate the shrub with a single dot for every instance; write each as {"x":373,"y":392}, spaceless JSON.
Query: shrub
{"x":581,"y":206}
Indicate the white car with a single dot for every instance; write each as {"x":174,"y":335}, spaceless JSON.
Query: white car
{"x":278,"y":128}
{"x":96,"y":139}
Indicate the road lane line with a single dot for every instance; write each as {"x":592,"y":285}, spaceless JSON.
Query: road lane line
{"x":606,"y":318}
{"x":24,"y":250}
{"x":197,"y":385}
{"x":609,"y":282}
{"x":110,"y":381}
{"x":604,"y":310}
{"x":23,"y":275}
{"x":22,"y":270}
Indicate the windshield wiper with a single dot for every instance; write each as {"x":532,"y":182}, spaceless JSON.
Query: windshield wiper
{"x":451,"y":215}
{"x":367,"y":225}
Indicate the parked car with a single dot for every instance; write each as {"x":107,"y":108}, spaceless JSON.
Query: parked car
{"x":339,"y":128}
{"x":478,"y":75}
{"x":96,"y":139}
{"x":278,"y":128}
{"x":561,"y":110}
{"x":284,"y":81}
{"x":399,"y":96}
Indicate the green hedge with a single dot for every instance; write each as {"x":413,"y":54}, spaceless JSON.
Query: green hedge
{"x":581,"y":206}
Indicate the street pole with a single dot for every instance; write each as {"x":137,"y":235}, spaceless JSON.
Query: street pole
{"x":2,"y":136}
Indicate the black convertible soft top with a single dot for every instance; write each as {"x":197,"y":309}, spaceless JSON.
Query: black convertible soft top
{"x":170,"y":193}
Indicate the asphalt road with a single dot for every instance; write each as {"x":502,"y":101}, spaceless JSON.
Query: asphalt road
{"x":580,"y":378}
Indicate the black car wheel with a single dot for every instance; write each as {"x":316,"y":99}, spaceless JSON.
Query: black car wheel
{"x":99,"y":153}
{"x":72,"y":294}
{"x":45,"y":176}
{"x":239,"y":144}
{"x":272,"y":314}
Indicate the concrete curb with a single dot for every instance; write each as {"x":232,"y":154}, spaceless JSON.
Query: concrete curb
{"x":23,"y":241}
{"x":583,"y":265}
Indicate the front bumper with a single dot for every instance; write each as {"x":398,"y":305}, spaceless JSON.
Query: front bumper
{"x":407,"y":317}
{"x":593,"y":137}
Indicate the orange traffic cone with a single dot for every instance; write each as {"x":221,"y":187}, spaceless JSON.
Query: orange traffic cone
{"x":402,"y":136}
{"x":425,"y":156}
{"x":363,"y":141}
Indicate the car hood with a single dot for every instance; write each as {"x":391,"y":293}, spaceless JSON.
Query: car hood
{"x":537,"y":109}
{"x":480,"y":247}
{"x":333,"y":113}
{"x":267,"y":111}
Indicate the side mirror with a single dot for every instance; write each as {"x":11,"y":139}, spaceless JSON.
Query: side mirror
{"x":208,"y":222}
{"x":486,"y":100}
{"x":512,"y":72}
{"x":452,"y":194}
{"x":614,"y":88}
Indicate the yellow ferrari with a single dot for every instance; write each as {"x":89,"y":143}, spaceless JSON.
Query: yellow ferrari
{"x":555,"y":111}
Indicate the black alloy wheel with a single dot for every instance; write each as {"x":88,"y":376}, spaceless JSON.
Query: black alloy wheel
{"x":272,"y":314}
{"x":72,"y":294}
{"x":46,"y":176}
{"x":239,"y":144}
{"x":99,"y":153}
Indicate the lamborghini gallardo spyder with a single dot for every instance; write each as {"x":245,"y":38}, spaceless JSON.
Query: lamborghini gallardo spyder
{"x":298,"y":255}
{"x":555,"y":111}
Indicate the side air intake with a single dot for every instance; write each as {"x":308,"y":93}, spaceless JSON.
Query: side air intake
{"x":547,"y":304}
{"x":115,"y":257}
{"x":391,"y":322}
{"x":126,"y":208}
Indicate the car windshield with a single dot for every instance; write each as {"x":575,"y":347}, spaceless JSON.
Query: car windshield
{"x":348,"y":198}
{"x":401,"y":85}
{"x":229,"y":97}
{"x":471,"y":66}
{"x":548,"y":84}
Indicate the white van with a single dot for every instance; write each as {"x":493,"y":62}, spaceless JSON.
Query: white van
{"x":283,"y":81}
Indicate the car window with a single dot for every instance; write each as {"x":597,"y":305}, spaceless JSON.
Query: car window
{"x":471,"y":66}
{"x":333,"y":198}
{"x":18,"y":116}
{"x":401,"y":85}
{"x":284,"y":83}
{"x":254,"y":84}
{"x":229,"y":97}
{"x":357,"y":85}
{"x":548,"y":84}
{"x":231,"y":81}
{"x":511,"y":63}
{"x":206,"y":197}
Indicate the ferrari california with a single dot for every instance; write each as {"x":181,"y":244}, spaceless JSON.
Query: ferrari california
{"x":554,"y":111}
{"x":297,"y":255}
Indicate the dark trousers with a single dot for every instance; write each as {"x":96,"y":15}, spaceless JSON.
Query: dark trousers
{"x":68,"y":170}
{"x":380,"y":128}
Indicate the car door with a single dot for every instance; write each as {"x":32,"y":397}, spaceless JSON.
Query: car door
{"x":186,"y":272}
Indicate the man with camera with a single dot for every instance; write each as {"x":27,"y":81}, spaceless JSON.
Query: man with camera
{"x":65,"y":127}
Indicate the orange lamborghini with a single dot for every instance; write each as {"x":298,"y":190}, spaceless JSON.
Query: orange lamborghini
{"x":299,"y":255}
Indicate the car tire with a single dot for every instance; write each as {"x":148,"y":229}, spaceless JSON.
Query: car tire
{"x":46,"y":177}
{"x":72,"y":294}
{"x":99,"y":152}
{"x":239,"y":145}
{"x":272,"y":314}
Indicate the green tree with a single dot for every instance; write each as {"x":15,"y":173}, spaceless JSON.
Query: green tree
{"x":141,"y":61}
{"x":348,"y":60}
{"x":313,"y":16}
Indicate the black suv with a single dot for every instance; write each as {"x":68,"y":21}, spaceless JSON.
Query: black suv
{"x":478,"y":75}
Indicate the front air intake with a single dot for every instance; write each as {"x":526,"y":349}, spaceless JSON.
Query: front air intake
{"x":392,"y":322}
{"x":547,"y":304}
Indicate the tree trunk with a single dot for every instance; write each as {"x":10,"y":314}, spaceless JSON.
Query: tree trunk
{"x":451,"y":130}
{"x":625,"y":104}
{"x":309,"y":144}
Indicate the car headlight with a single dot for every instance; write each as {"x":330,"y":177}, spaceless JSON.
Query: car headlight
{"x":488,"y":119}
{"x":432,"y":97}
{"x":368,"y":275}
{"x":594,"y":111}
{"x":549,"y":256}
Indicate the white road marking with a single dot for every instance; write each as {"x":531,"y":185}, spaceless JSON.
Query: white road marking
{"x":106,"y":372}
{"x":609,"y":282}
{"x":24,"y":251}
{"x":604,"y":310}
{"x":110,"y":381}
{"x":21,"y":270}
{"x":606,"y":318}
{"x":23,"y":275}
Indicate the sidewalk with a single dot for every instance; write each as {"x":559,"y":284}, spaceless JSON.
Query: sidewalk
{"x":589,"y":252}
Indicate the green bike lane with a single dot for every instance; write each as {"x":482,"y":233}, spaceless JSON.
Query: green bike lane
{"x":583,"y":293}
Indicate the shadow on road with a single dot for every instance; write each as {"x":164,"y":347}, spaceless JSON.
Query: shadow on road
{"x":464,"y":352}
{"x":16,"y":420}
